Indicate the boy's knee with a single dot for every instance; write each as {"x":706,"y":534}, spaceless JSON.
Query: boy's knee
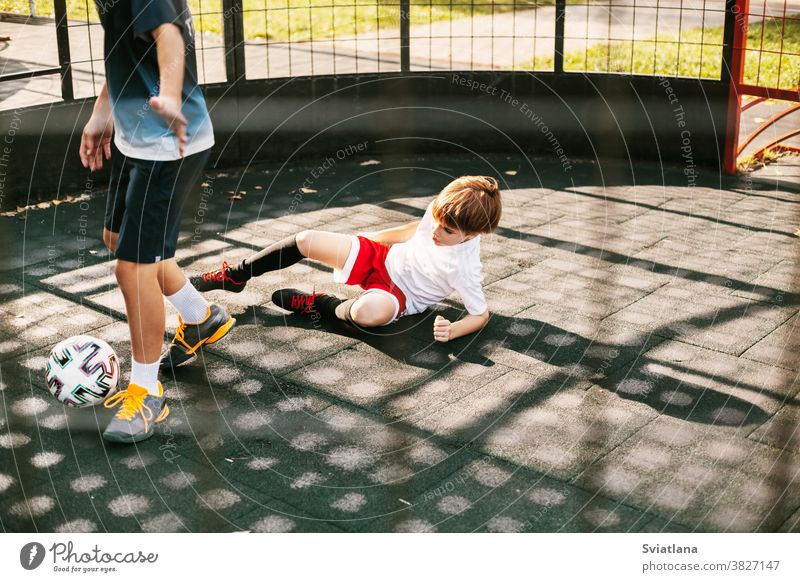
{"x":303,"y":241}
{"x":129,"y":273}
{"x":124,"y":271}
{"x":369,"y":315}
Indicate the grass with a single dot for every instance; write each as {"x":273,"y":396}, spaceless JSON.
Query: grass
{"x":299,"y":20}
{"x":696,"y":53}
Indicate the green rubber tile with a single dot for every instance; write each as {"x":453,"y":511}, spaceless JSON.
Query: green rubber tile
{"x":703,"y":315}
{"x":706,"y":481}
{"x":42,"y":249}
{"x":345,"y":466}
{"x":541,"y":422}
{"x":488,"y":495}
{"x":661,"y":526}
{"x":781,"y":430}
{"x":273,"y":342}
{"x":734,"y":395}
{"x":780,"y":347}
{"x":404,"y":362}
{"x":424,"y":373}
{"x":584,"y":348}
{"x":591,"y":293}
{"x":273,"y":516}
{"x":78,"y":280}
{"x":792,"y":524}
{"x":678,"y":260}
{"x":610,"y":205}
{"x":133,"y":500}
{"x":777,"y":244}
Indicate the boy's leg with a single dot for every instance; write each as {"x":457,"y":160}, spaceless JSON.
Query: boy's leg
{"x":371,"y":309}
{"x":330,"y":248}
{"x":145,"y":308}
{"x":201,"y":323}
{"x":170,"y":277}
{"x":110,"y":239}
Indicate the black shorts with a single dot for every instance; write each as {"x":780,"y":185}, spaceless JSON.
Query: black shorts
{"x":145,"y":200}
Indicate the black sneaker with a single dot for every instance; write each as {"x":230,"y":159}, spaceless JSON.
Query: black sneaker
{"x":190,"y":337}
{"x":305,"y":303}
{"x":219,"y":279}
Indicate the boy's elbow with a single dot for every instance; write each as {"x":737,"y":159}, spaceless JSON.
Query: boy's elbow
{"x":484,"y":317}
{"x":167,"y":31}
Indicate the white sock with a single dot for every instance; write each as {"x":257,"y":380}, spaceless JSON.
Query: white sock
{"x":146,"y":376}
{"x":190,"y":304}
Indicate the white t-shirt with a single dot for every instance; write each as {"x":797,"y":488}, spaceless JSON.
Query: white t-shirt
{"x":427,"y":273}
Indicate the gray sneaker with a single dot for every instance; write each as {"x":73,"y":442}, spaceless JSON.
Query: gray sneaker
{"x":138,"y":414}
{"x":190,"y":337}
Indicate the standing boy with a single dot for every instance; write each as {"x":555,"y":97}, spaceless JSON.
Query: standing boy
{"x":153,"y":107}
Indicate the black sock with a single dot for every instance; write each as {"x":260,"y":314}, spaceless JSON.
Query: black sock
{"x":279,"y":255}
{"x":349,"y":316}
{"x":326,"y":305}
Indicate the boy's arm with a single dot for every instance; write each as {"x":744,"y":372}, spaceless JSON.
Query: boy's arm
{"x":96,"y":136}
{"x":170,"y":49}
{"x":389,"y":236}
{"x":444,"y":330}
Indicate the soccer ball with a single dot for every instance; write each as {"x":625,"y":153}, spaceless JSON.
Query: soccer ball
{"x":82,"y":371}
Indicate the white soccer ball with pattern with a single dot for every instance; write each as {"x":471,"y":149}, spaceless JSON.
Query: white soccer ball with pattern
{"x":82,"y":371}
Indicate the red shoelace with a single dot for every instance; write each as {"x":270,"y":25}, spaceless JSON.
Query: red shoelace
{"x":220,"y":274}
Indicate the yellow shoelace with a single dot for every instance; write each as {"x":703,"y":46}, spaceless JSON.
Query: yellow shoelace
{"x":179,"y":333}
{"x":132,"y":400}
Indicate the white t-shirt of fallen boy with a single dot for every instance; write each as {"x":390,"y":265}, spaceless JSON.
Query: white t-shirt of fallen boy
{"x":426,"y":273}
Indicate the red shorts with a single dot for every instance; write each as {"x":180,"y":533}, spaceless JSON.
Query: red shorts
{"x":366,"y":267}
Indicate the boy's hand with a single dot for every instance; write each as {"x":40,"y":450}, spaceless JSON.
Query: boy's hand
{"x":96,"y":140}
{"x":170,"y":111}
{"x":441,"y":329}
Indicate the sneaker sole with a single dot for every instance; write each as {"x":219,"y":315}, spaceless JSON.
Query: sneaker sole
{"x":220,"y":333}
{"x":217,"y":335}
{"x":228,"y":289}
{"x":120,"y":438}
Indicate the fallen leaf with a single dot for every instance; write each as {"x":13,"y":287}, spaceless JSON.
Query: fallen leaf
{"x":259,"y":187}
{"x":56,"y":202}
{"x":205,"y":185}
{"x":307,"y":190}
{"x":797,"y":232}
{"x":235,"y":197}
{"x":370,"y":163}
{"x":43,"y":205}
{"x":511,"y":172}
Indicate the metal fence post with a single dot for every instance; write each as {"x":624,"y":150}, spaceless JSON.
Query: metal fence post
{"x":62,"y":40}
{"x":233,"y":38}
{"x":735,"y":35}
{"x":405,"y":35}
{"x":558,"y":56}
